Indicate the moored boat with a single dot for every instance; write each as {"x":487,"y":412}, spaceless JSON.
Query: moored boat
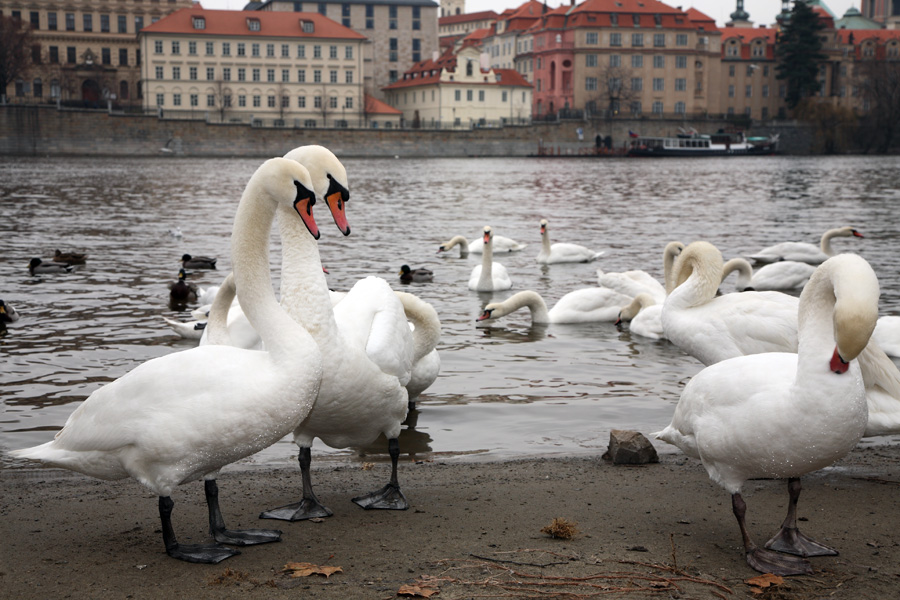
{"x":695,"y":145}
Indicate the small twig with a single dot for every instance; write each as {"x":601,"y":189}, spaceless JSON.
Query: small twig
{"x":879,"y":480}
{"x":513,"y":562}
{"x":672,"y":542}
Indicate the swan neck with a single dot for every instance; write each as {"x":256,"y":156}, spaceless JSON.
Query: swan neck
{"x":697,"y":276}
{"x":427,"y":331}
{"x":532,"y":300}
{"x":217,"y":324}
{"x":486,"y":280}
{"x":744,"y":272}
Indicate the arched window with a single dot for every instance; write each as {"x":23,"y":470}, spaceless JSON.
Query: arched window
{"x":37,"y":88}
{"x":552,"y":75}
{"x":123,"y":90}
{"x":468,"y":68}
{"x":54,"y":88}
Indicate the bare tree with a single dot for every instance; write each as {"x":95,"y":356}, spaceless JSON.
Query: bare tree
{"x":614,"y":94}
{"x":879,"y":87}
{"x":16,"y":48}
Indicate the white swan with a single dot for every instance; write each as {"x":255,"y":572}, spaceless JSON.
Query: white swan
{"x":887,"y":335}
{"x":189,"y":330}
{"x":632,"y":283}
{"x":784,"y":415}
{"x":562,"y":252}
{"x":183,"y":416}
{"x":588,"y":305}
{"x":712,"y":328}
{"x":489,"y":276}
{"x":501,"y":244}
{"x":804,"y":251}
{"x":426,"y":332}
{"x":644,"y":316}
{"x":783,"y":275}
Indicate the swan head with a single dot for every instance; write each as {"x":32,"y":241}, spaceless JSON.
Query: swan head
{"x":701,"y":257}
{"x":288,"y":181}
{"x":638,"y":303}
{"x":488,"y":234}
{"x":847,"y":232}
{"x":543,"y":226}
{"x":329,"y":180}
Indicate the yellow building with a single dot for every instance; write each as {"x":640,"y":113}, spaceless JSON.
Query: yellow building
{"x":297,"y":70}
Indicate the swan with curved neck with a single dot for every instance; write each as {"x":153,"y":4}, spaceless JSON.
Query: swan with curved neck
{"x":500,"y":244}
{"x":632,"y":283}
{"x":784,"y":415}
{"x":489,"y":276}
{"x":426,"y":333}
{"x":183,"y":416}
{"x":783,"y":275}
{"x":804,"y":251}
{"x":562,"y":252}
{"x":644,"y":317}
{"x":588,"y":305}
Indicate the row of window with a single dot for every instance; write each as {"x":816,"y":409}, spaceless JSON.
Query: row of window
{"x":87,"y":22}
{"x":591,"y":84}
{"x":750,"y":69}
{"x":592,"y":38}
{"x":457,"y":96}
{"x":35,"y":88}
{"x":637,"y":61}
{"x":71,"y":55}
{"x":748,"y":91}
{"x":255,"y":49}
{"x":193,"y":74}
{"x":256,"y":101}
{"x":322,"y":8}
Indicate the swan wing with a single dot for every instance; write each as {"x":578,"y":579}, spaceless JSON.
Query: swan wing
{"x":887,"y":335}
{"x":588,"y":305}
{"x":632,"y":283}
{"x":500,"y":277}
{"x":783,"y":275}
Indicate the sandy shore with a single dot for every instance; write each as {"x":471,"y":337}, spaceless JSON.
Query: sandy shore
{"x":474,"y":531}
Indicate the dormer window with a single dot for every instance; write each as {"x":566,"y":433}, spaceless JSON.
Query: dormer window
{"x":199,"y":23}
{"x":253,"y":24}
{"x":307,"y":26}
{"x":614,"y":19}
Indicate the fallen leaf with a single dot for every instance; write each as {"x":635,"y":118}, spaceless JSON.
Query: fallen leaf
{"x":764,"y":581}
{"x":302,"y":569}
{"x":417,"y":590}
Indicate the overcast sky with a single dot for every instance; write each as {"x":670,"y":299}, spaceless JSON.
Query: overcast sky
{"x":762,"y":12}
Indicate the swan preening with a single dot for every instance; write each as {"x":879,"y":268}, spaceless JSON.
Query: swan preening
{"x":562,"y":252}
{"x":501,"y":244}
{"x":644,"y":316}
{"x":784,"y":415}
{"x":644,"y":312}
{"x":804,"y":251}
{"x":783,"y":275}
{"x":489,"y":276}
{"x":183,"y":416}
{"x":587,"y":305}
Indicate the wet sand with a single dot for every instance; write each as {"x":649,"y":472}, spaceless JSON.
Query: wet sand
{"x":473,"y":531}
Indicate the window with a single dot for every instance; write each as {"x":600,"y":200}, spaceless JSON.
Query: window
{"x":416,"y":18}
{"x":457,"y":95}
{"x":317,"y":102}
{"x":241,"y":49}
{"x":195,"y":100}
{"x":680,"y":108}
{"x":591,"y":38}
{"x":392,"y":76}
{"x":732,"y":49}
{"x":348,"y":102}
{"x":270,"y":101}
{"x":104,"y":23}
{"x":637,"y":84}
{"x":309,"y":123}
{"x":285,"y":75}
{"x":210,"y":100}
{"x":317,"y":76}
{"x":199,"y":22}
{"x":51,"y":21}
{"x":659,"y":40}
{"x":123,"y":90}
{"x":502,"y":99}
{"x":332,"y":52}
{"x":348,"y":76}
{"x":345,"y":15}
{"x":731,"y":91}
{"x":301,"y":101}
{"x":70,"y":55}
{"x":348,"y":52}
{"x":54,"y":54}
{"x":210,"y":74}
{"x":392,"y":42}
{"x":659,"y":84}
{"x":750,"y":69}
{"x":176,"y":73}
{"x":285,"y":102}
{"x":242,"y":74}
{"x":332,"y":76}
{"x":635,"y":107}
{"x":637,"y":61}
{"x":615,"y":60}
{"x":226,"y":48}
{"x":636,"y":20}
{"x":731,"y":70}
{"x":257,"y":101}
{"x":590,"y":84}
{"x":88,"y":22}
{"x":192,"y":73}
{"x":758,"y":50}
{"x":766,"y":71}
{"x":301,"y":75}
{"x":176,"y":99}
{"x":469,"y":95}
{"x":657,"y":108}
{"x":192,"y":48}
{"x":308,"y":26}
{"x":36,"y":54}
{"x":176,"y":47}
{"x":253,"y":24}
{"x":749,"y":91}
{"x":416,"y":49}
{"x":681,"y":62}
{"x":765,"y":91}
{"x":681,"y":39}
{"x":615,"y":39}
{"x":659,"y":61}
{"x":370,"y":16}
{"x":332,"y":102}
{"x":37,"y":88}
{"x":226,"y":74}
{"x":480,"y":95}
{"x":256,"y":74}
{"x":590,"y":60}
{"x":254,"y":50}
{"x":158,"y":47}
{"x":226,"y":100}
{"x":392,"y":16}
{"x":323,"y":8}
{"x":637,"y":39}
{"x":159,"y":99}
{"x":270,"y":75}
{"x":242,"y":100}
{"x":681,"y":84}
{"x":138,"y":23}
{"x":70,"y":21}
{"x":121,"y":23}
{"x":317,"y":51}
{"x":270,"y":50}
{"x":123,"y":56}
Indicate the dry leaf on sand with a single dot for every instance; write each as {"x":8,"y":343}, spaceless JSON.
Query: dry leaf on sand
{"x":761,"y":582}
{"x":417,"y":590}
{"x":302,"y":569}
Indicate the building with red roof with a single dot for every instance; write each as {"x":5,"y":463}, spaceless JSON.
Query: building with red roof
{"x":458,"y":90}
{"x":302,"y":69}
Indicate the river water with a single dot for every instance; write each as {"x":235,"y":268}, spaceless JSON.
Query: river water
{"x":509,"y":389}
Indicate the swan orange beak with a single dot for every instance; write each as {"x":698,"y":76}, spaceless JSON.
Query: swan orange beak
{"x":543,"y":230}
{"x":303,"y":206}
{"x":487,"y":238}
{"x":337,"y":206}
{"x":857,"y":234}
{"x":838,"y":365}
{"x":485,"y":315}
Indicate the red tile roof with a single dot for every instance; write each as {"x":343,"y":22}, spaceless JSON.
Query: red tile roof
{"x":428,"y":72}
{"x":748,"y":34}
{"x":467,"y":18}
{"x":625,"y":7}
{"x":374,"y":106}
{"x":881,"y":35}
{"x":235,"y":22}
{"x":598,"y":13}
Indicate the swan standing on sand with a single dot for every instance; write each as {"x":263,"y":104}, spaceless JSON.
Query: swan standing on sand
{"x":784,"y":275}
{"x":784,"y":415}
{"x":501,"y":244}
{"x":588,"y":305}
{"x":804,"y":251}
{"x":489,"y":276}
{"x":562,"y":252}
{"x":184,"y":416}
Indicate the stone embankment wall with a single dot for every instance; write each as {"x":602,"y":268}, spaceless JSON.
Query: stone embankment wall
{"x":46,"y":131}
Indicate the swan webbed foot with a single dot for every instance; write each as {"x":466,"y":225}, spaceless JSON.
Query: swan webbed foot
{"x":247,"y":537}
{"x":766,"y":561}
{"x":201,"y":553}
{"x":298,"y":511}
{"x":791,"y":541}
{"x":387,"y":498}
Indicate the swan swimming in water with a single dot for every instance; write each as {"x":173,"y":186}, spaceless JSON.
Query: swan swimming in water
{"x":804,"y":251}
{"x":489,"y":276}
{"x":183,"y":416}
{"x":562,"y":252}
{"x":783,"y":275}
{"x":587,"y":305}
{"x":644,"y":316}
{"x":500,"y":244}
{"x":784,"y":415}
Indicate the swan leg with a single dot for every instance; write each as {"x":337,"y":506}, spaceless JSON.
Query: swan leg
{"x":309,"y":507}
{"x":389,"y":497}
{"x":789,"y":539}
{"x":244,"y":537}
{"x":766,"y":561}
{"x":197,"y":553}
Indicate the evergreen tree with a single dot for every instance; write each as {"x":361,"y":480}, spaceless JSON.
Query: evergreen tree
{"x":799,"y":53}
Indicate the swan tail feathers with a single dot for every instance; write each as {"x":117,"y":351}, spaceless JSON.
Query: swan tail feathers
{"x":597,"y":255}
{"x":686,"y":443}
